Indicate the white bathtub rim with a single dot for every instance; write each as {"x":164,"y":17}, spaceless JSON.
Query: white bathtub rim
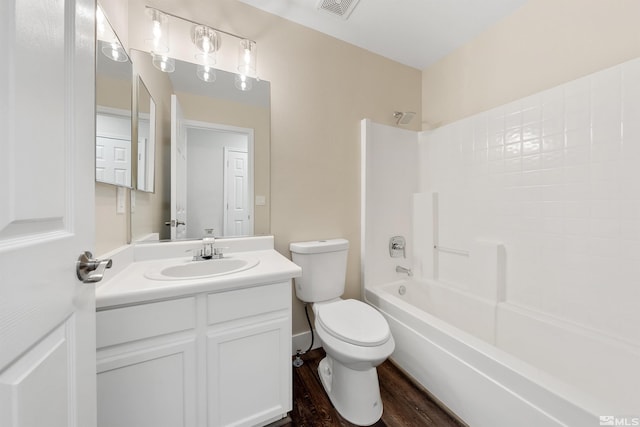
{"x":447,"y":335}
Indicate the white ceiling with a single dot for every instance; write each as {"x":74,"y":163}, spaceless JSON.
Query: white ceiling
{"x":416,"y":33}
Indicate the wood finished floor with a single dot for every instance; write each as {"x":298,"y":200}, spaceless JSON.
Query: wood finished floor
{"x":405,"y":404}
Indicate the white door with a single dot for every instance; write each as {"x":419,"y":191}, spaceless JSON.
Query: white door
{"x":113,"y":160}
{"x":178,"y":172}
{"x":238,"y":216}
{"x":47,"y":139}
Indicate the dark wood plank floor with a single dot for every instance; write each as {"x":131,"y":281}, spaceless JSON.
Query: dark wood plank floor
{"x":405,"y":404}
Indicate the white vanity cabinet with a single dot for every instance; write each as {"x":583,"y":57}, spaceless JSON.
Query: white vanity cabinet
{"x":249,"y":355}
{"x":207,"y":360}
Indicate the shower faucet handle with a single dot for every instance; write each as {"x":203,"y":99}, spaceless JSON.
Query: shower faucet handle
{"x":397,"y":246}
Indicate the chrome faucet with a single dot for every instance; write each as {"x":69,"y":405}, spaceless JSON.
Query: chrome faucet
{"x":208,"y":249}
{"x":400,"y":269}
{"x":206,"y":253}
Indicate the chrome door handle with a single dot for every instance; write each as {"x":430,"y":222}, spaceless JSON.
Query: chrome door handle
{"x":91,"y":270}
{"x":174,"y":223}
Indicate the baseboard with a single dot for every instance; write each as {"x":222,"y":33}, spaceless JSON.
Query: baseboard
{"x":302,"y":340}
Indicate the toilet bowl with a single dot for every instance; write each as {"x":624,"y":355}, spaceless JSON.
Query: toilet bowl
{"x":356,"y":339}
{"x":355,"y":336}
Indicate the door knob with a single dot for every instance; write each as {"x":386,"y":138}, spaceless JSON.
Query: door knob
{"x":91,"y":270}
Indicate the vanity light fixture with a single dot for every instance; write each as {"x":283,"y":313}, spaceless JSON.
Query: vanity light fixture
{"x":206,"y":73}
{"x":205,"y":70}
{"x":247,"y":57}
{"x":243,"y":82}
{"x":115,"y":52}
{"x":163,"y":63}
{"x":159,"y":41}
{"x":111,"y":47}
{"x":205,"y":39}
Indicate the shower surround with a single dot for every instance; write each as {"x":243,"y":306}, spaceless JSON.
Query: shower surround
{"x":533,"y":209}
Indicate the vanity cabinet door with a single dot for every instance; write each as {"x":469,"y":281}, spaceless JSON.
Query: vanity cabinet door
{"x":249,"y":373}
{"x":152,"y":386}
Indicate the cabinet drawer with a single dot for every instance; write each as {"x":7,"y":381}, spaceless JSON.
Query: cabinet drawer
{"x":120,"y":325}
{"x":232,"y":305}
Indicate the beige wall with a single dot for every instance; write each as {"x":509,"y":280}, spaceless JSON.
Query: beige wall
{"x":320,"y":90}
{"x":541,"y":45}
{"x":111,"y":227}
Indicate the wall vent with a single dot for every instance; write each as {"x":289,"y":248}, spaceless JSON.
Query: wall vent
{"x":341,"y":8}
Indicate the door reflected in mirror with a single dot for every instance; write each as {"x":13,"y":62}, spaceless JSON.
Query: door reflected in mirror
{"x":113,"y":108}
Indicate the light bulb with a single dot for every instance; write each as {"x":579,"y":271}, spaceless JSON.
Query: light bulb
{"x":242,"y":82}
{"x":158,"y":40}
{"x":163,"y":63}
{"x":205,"y":39}
{"x":205,"y":70}
{"x":157,"y":30}
{"x":206,"y":73}
{"x":114,"y":51}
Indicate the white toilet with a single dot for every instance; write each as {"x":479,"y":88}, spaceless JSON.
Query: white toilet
{"x":354,"y":335}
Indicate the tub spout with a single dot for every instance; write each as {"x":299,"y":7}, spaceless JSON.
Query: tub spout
{"x":400,"y":269}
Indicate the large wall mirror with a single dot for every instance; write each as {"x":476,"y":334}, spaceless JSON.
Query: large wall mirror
{"x":219,"y":153}
{"x":113,"y":107}
{"x":145,"y":129}
{"x":118,"y":161}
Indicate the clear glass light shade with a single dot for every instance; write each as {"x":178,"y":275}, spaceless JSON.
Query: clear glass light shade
{"x":243,"y":82}
{"x":206,"y":73}
{"x":247,"y":57}
{"x":163,"y":63}
{"x":115,"y":52}
{"x":206,"y":39}
{"x":205,"y":70}
{"x":158,"y":39}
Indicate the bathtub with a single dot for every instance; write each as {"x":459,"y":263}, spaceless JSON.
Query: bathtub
{"x":465,"y":351}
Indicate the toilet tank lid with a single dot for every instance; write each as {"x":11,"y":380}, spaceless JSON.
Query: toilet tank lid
{"x":319,"y":246}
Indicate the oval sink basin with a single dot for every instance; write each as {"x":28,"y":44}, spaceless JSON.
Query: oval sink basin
{"x":202,"y":269}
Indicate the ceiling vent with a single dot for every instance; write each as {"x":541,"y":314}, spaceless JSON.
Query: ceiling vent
{"x":341,"y":8}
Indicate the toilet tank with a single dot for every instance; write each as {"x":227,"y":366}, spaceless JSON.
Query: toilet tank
{"x":324,"y":268}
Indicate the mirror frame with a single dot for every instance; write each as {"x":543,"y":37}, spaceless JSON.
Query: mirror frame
{"x":150,"y":154}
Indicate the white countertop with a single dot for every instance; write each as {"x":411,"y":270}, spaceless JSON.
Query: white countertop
{"x":129,"y":285}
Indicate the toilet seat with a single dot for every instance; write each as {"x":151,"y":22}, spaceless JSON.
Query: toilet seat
{"x":354,"y":322}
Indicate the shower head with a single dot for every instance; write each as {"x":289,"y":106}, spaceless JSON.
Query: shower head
{"x":403,"y":117}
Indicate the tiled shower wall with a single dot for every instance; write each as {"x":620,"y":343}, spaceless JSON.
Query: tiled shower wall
{"x":556,"y":178}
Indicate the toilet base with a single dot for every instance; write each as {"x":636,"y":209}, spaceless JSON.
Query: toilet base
{"x":354,"y":393}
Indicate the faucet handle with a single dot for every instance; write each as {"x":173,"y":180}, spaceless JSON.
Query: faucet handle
{"x":217,"y":251}
{"x":196,"y":252}
{"x":397,"y":246}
